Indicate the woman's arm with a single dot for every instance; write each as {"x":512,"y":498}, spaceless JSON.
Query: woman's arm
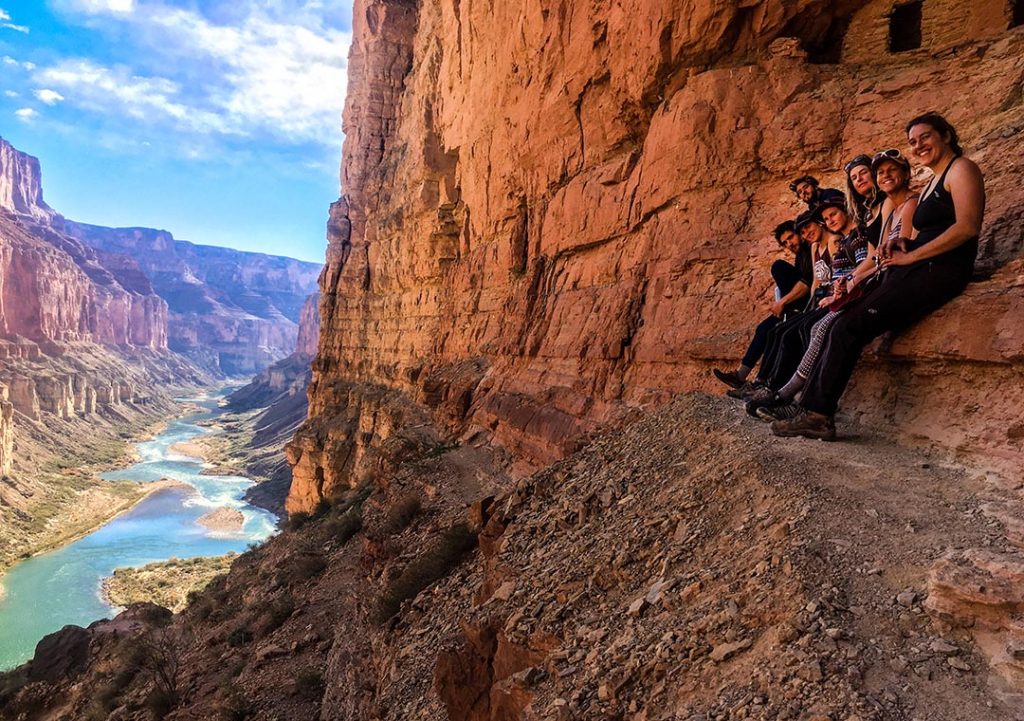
{"x":967,"y":186}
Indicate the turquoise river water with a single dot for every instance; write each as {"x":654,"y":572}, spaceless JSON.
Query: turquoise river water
{"x":44,"y":593}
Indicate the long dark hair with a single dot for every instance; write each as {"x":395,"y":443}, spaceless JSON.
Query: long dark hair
{"x":859,"y":206}
{"x":941,"y":126}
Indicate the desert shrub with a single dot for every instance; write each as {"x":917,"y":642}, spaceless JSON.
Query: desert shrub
{"x":298,"y":520}
{"x":309,"y":684}
{"x":274,"y":615}
{"x":239,"y":637}
{"x":307,"y":565}
{"x":343,"y":527}
{"x":401,"y":514}
{"x":159,"y":702}
{"x":231,"y":703}
{"x":431,"y":566}
{"x":154,"y":656}
{"x":106,"y":697}
{"x":439,"y":450}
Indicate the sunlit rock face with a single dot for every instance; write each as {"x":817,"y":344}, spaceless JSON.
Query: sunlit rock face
{"x":233,"y":312}
{"x":21,"y":189}
{"x":55,"y":288}
{"x":555,"y":211}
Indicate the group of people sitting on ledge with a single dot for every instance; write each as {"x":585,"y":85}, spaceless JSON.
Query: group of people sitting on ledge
{"x":877,"y":258}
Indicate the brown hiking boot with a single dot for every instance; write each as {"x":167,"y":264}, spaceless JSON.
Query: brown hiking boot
{"x":807,"y":424}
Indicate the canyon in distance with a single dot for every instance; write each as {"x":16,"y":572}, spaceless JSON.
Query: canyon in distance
{"x":510,"y":488}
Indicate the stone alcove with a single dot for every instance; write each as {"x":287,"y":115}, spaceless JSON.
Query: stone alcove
{"x":884,"y":27}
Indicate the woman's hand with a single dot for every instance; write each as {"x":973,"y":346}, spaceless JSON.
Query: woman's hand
{"x":777,"y":308}
{"x":897,"y":259}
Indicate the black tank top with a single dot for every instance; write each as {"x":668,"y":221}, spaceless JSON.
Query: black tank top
{"x":873,"y":230}
{"x":935,"y":215}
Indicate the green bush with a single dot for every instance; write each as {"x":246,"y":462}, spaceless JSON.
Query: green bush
{"x":239,"y":637}
{"x":401,"y":514}
{"x":159,"y":703}
{"x":298,"y":520}
{"x":433,"y":565}
{"x":309,"y":684}
{"x":231,"y":703}
{"x":343,"y":527}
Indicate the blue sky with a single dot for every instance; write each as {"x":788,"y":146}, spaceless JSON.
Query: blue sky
{"x":218,"y":120}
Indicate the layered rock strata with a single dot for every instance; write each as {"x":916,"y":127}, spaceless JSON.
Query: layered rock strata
{"x":233,"y":312}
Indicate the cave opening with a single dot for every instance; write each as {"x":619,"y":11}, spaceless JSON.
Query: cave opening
{"x":1017,"y":16}
{"x":905,"y":27}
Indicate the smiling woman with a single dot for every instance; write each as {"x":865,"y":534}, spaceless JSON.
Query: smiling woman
{"x":220,"y":121}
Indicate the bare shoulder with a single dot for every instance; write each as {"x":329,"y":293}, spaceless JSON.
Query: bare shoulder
{"x":965,"y":170}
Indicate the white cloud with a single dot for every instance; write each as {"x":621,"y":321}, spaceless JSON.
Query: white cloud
{"x":116,"y":90}
{"x":10,"y":93}
{"x":111,"y":6}
{"x":26,"y":114}
{"x":5,"y":22}
{"x":263,"y":67}
{"x":8,"y":60}
{"x":50,"y":97}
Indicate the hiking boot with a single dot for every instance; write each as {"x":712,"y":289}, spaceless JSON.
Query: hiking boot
{"x":728,"y":377}
{"x":782,"y":412}
{"x":762,"y":398}
{"x":746,"y":390}
{"x":807,"y":424}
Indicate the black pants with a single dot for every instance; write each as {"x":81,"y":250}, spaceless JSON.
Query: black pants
{"x":786,"y":345}
{"x":786,"y":276}
{"x":905,"y":295}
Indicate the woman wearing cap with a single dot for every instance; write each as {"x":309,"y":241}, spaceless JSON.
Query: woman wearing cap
{"x":891,"y":172}
{"x":934,"y":268}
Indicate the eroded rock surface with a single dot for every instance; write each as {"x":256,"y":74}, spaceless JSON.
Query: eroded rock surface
{"x":551,"y":213}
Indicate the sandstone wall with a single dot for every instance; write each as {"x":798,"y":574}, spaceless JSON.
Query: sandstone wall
{"x":552,"y":211}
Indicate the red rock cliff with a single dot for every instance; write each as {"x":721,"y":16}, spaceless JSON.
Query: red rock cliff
{"x":231,"y":311}
{"x":552,"y":211}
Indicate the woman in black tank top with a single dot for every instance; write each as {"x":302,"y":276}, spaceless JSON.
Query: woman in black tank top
{"x":935,"y":268}
{"x":949,"y":213}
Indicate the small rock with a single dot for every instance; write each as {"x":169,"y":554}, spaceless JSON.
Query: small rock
{"x":906,"y":599}
{"x":941,"y":647}
{"x":726,"y":651}
{"x":504,"y":591}
{"x":270,"y":651}
{"x":637,"y":607}
{"x":958,"y":663}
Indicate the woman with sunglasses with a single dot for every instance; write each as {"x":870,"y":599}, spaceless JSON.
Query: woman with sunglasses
{"x":934,"y":268}
{"x":891,"y":173}
{"x":863,"y":198}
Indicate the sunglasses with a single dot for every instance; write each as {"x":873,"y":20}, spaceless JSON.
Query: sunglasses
{"x":859,"y":160}
{"x":892,"y":153}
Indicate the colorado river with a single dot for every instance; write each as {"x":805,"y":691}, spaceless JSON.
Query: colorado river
{"x":44,"y":593}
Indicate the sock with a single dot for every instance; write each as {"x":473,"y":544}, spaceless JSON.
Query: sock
{"x":790,"y":390}
{"x":743,"y":371}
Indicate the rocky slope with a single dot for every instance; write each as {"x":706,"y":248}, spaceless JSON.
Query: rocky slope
{"x":233,"y":312}
{"x":653,"y":575}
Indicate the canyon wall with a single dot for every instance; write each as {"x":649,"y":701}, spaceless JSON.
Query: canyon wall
{"x":233,"y":312}
{"x":556,"y":211}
